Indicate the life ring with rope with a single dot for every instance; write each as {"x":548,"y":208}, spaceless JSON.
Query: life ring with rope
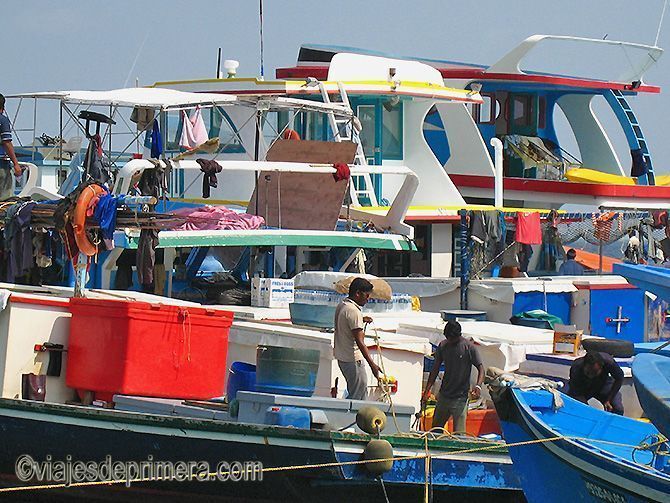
{"x":79,"y":219}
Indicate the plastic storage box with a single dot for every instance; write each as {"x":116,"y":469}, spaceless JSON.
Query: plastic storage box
{"x":296,"y":417}
{"x":138,"y":348}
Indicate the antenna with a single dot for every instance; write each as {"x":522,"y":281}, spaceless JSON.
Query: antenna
{"x":660,"y":23}
{"x":218,"y":64}
{"x":260,"y":10}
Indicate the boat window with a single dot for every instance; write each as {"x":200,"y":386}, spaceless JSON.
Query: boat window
{"x":220,"y":125}
{"x":392,"y":131}
{"x":487,"y":112}
{"x":314,"y":125}
{"x":366,"y":114}
{"x":542,"y":113}
{"x":172,"y":130}
{"x":521,"y":110}
{"x":488,"y":109}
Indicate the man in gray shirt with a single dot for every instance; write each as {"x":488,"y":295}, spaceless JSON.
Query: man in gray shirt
{"x":349,"y":346}
{"x":459,"y":355}
{"x":7,"y":155}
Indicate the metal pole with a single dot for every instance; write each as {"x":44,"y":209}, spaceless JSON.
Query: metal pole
{"x":35,"y":129}
{"x":600,"y":255}
{"x":465,"y":259}
{"x":257,"y":140}
{"x":60,"y":152}
{"x":261,"y":35}
{"x":498,"y":158}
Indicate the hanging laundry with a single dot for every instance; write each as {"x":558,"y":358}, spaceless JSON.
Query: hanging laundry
{"x":478,"y":227}
{"x":493,"y":231}
{"x":142,"y":116}
{"x":105,"y":214}
{"x":210,"y":168}
{"x":194,"y":131}
{"x":18,"y":239}
{"x":156,"y":141}
{"x":603,"y":226}
{"x":96,"y":165}
{"x":146,"y":258}
{"x":528,"y":228}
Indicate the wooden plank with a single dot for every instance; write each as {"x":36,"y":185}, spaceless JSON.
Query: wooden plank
{"x":310,"y":151}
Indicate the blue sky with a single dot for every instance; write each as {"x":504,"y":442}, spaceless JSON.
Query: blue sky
{"x":103,"y":45}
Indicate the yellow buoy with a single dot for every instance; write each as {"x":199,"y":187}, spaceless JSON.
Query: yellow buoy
{"x":378,"y":449}
{"x":371,"y":420}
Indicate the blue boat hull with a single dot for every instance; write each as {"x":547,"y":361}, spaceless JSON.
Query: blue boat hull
{"x":567,"y":470}
{"x":651,"y":375}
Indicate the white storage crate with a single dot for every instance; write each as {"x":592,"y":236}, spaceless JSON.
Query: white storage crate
{"x":271,"y":292}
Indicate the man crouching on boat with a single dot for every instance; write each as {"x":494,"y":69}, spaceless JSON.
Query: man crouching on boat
{"x":598,"y":376}
{"x":459,"y":355}
{"x":349,"y":344}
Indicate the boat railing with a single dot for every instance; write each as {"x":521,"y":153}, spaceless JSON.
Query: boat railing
{"x":392,"y":220}
{"x":634,"y":67}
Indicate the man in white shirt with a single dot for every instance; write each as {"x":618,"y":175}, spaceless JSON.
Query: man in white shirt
{"x":350,"y":349}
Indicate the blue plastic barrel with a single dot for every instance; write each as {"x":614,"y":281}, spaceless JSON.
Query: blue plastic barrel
{"x":286,"y":371}
{"x":241,"y":377}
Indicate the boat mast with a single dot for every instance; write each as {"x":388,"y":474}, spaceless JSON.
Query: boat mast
{"x":260,"y":11}
{"x":660,"y":22}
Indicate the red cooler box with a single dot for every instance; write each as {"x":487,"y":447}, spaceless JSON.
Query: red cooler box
{"x":138,"y":348}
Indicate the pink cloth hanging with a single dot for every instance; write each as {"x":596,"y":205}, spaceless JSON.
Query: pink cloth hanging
{"x":194,"y":131}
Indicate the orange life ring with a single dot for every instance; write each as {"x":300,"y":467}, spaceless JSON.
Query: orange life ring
{"x":290,"y":134}
{"x":79,"y":219}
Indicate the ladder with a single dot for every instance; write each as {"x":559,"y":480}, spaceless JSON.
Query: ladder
{"x":632,"y":128}
{"x":360,"y":188}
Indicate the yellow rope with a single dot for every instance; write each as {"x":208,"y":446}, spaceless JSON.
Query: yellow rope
{"x":385,"y":385}
{"x":334,"y":464}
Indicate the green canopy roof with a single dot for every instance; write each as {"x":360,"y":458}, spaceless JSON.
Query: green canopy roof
{"x":271,"y":237}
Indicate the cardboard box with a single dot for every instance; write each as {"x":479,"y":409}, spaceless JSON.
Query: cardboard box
{"x":567,"y":339}
{"x":271,"y":292}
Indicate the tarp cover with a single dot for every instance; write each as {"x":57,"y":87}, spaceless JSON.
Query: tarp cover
{"x":505,"y":290}
{"x":287,"y":335}
{"x":513,"y":342}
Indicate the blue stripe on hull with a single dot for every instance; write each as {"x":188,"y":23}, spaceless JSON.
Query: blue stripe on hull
{"x":446,"y":473}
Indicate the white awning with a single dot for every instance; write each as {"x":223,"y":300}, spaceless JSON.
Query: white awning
{"x":505,"y":290}
{"x":135,"y":96}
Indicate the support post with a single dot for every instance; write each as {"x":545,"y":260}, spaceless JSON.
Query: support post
{"x":465,"y":259}
{"x":498,"y":163}
{"x":80,"y":275}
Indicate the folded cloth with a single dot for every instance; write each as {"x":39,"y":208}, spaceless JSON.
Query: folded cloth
{"x":210,"y":168}
{"x":217,"y":218}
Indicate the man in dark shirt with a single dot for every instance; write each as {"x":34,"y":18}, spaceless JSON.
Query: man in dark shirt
{"x":7,"y":155}
{"x":459,"y":355}
{"x":571,"y":267}
{"x":598,"y":376}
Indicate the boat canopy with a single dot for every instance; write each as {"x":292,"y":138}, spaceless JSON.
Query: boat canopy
{"x":270,"y":237}
{"x":164,"y":99}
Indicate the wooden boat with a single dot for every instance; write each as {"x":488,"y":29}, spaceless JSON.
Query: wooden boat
{"x":91,"y":434}
{"x":579,"y":453}
{"x":651,"y":375}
